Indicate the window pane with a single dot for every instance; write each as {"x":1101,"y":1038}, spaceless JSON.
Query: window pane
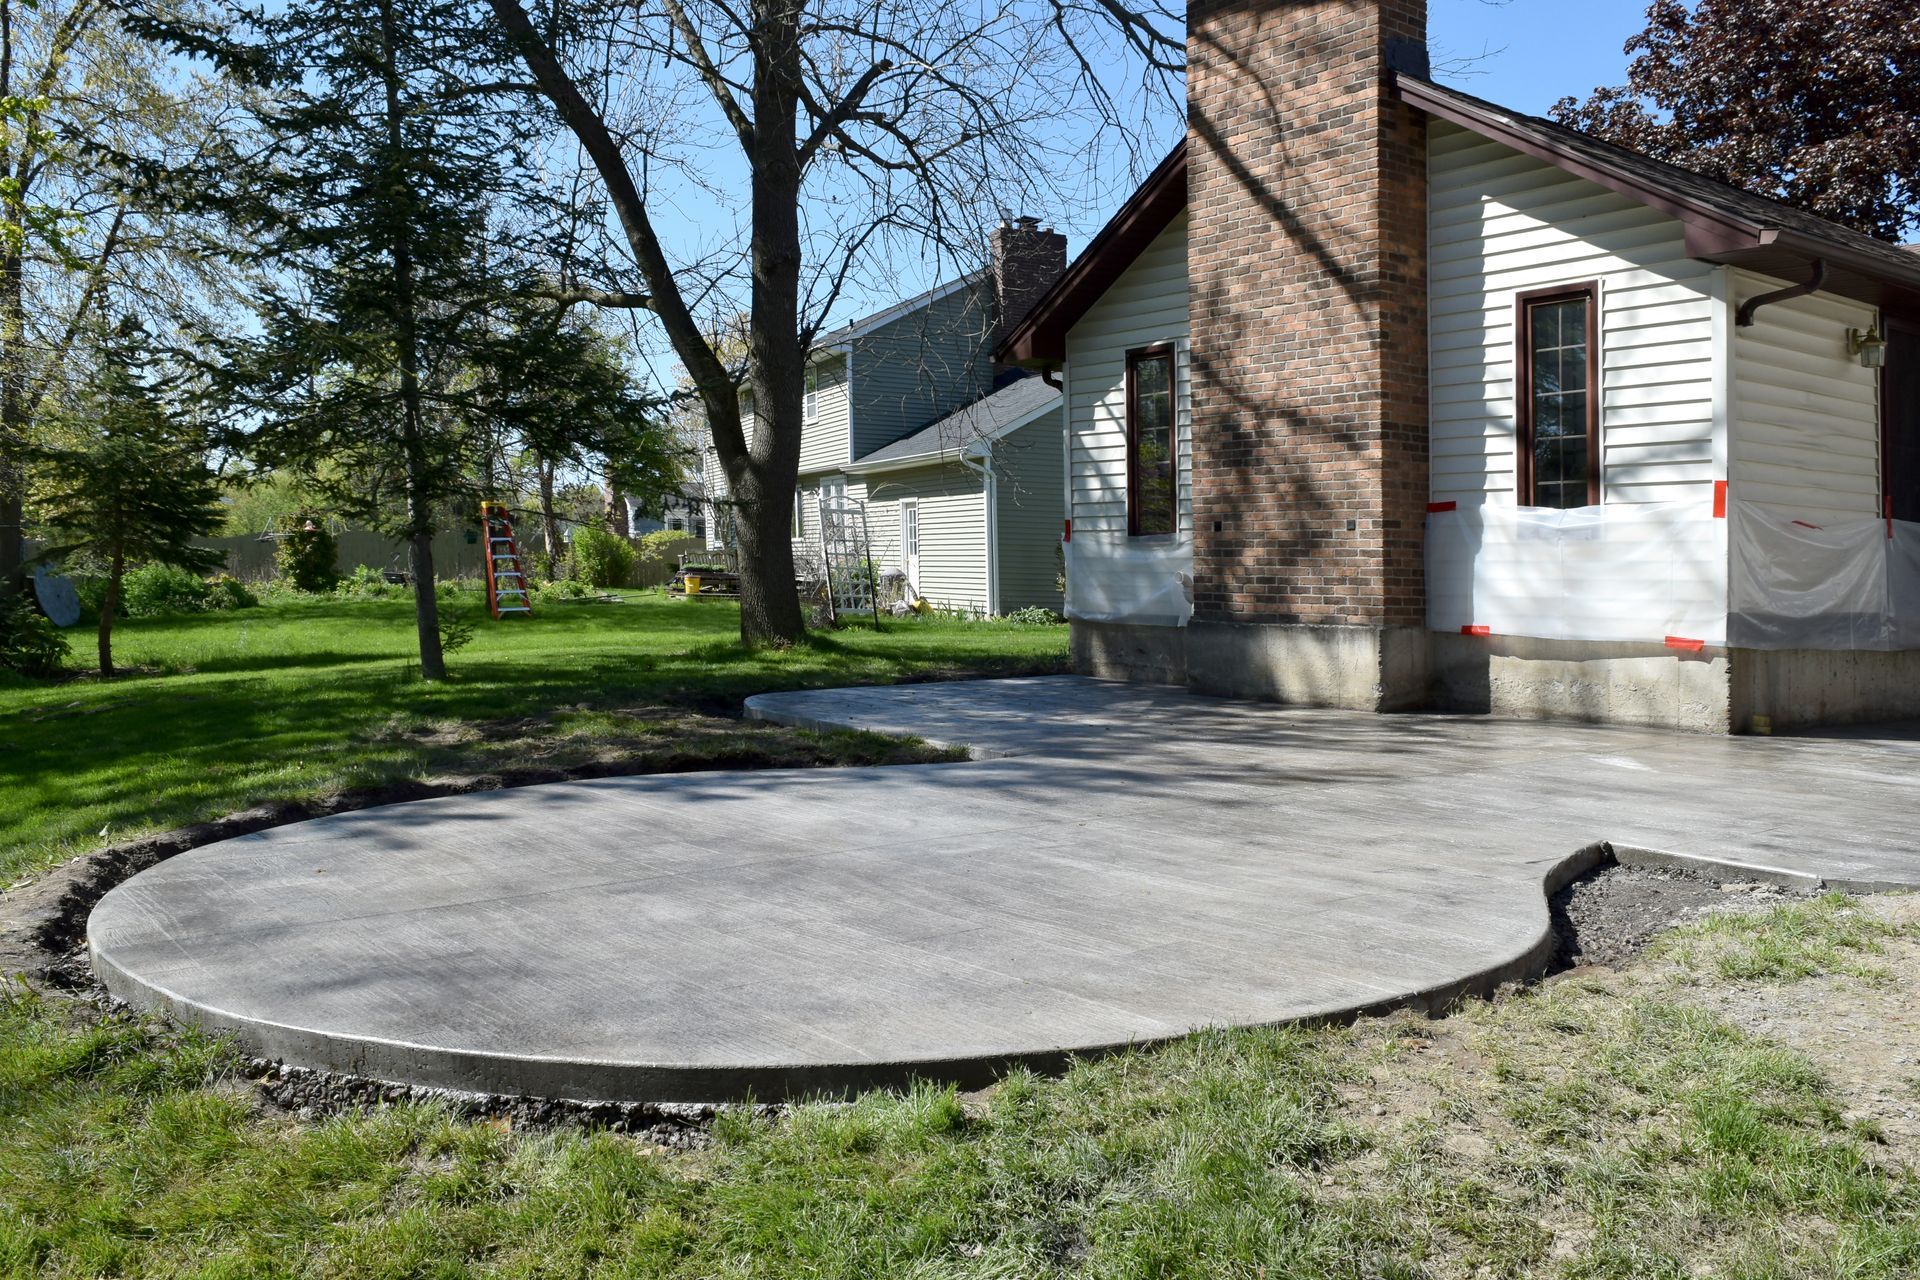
{"x":1545,"y":332}
{"x":1150,"y":376}
{"x":1557,"y":402}
{"x":1154,"y":485}
{"x":1573,"y":322}
{"x":1573,"y":369}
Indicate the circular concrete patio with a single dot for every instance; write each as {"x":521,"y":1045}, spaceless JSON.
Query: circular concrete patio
{"x":708,"y":936}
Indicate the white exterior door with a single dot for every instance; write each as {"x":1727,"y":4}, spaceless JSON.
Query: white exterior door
{"x":910,"y":543}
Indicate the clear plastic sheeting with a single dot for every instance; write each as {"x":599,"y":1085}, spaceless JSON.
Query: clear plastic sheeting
{"x":1835,"y":584}
{"x":1633,"y":573}
{"x":1114,"y":578}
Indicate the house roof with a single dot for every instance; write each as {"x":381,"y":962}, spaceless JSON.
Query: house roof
{"x":1722,"y":223}
{"x":1040,"y":339}
{"x":861,"y":328}
{"x":965,"y":432}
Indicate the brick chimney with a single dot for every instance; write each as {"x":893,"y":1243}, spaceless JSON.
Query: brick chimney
{"x":1307,"y":264}
{"x":1026,"y":259}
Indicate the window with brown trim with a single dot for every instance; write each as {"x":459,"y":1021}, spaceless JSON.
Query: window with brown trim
{"x":1557,"y":365}
{"x":1152,"y":482}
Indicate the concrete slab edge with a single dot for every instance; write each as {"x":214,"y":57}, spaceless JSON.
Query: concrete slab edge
{"x":1719,"y":870}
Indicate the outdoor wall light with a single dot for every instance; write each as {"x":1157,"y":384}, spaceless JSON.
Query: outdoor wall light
{"x":1869,"y":346}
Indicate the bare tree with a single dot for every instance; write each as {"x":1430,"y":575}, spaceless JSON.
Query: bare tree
{"x":865,"y":130}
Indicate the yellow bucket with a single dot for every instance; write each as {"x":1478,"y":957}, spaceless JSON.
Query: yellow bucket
{"x":692,"y":581}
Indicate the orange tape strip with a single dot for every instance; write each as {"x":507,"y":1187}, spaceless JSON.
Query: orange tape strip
{"x":1476,"y":631}
{"x":1681,"y":642}
{"x":1719,"y":499}
{"x":1433,"y":507}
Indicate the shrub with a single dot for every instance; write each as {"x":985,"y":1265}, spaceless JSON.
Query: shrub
{"x":157,"y":588}
{"x":1034,"y":616}
{"x":227,"y":592}
{"x":29,"y":644}
{"x":600,"y":559}
{"x":367,"y":583}
{"x":541,"y":567}
{"x":561,"y":589}
{"x":456,"y":633}
{"x":661,"y":542}
{"x":305,"y":556}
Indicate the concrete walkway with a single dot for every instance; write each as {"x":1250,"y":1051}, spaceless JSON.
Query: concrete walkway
{"x":1122,"y":864}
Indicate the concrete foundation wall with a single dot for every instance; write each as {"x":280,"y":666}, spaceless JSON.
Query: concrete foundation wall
{"x":1799,"y":688}
{"x":1118,"y":651}
{"x":1607,"y":683}
{"x":1402,"y":669}
{"x":1362,"y":668}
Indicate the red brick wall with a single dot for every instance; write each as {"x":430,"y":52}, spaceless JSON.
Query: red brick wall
{"x":1307,"y":262}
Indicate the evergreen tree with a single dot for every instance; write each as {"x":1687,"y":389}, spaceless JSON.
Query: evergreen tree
{"x":129,"y":483}
{"x":379,"y":202}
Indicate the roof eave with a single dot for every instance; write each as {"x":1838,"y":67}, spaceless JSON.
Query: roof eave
{"x":1711,"y":234}
{"x":1039,"y":341}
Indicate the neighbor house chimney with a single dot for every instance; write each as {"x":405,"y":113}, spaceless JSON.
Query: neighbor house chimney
{"x":1027,"y":259}
{"x":1307,"y":268}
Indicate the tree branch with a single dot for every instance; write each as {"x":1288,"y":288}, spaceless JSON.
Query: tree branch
{"x":710,"y":74}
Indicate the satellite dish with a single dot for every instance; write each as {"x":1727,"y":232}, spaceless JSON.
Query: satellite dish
{"x":58,"y":600}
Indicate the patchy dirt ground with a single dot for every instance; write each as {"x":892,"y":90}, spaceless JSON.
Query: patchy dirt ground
{"x":1612,"y":913}
{"x":1862,"y":1029}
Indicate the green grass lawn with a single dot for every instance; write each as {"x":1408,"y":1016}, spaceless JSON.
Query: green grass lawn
{"x":299,"y":699}
{"x":1607,"y":1124}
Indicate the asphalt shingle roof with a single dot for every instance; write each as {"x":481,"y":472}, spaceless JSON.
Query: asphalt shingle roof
{"x":978,"y":421}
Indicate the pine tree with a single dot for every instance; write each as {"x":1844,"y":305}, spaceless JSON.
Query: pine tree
{"x":130,"y":483}
{"x":378,"y":205}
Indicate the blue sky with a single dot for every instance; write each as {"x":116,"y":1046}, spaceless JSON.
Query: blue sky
{"x":1526,"y":54}
{"x":1539,"y":50}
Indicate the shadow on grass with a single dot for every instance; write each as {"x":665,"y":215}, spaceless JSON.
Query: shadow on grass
{"x":292,"y":701}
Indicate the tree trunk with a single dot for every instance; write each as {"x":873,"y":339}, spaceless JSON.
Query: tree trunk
{"x":108,"y":607}
{"x":426,"y":606}
{"x":617,"y":512}
{"x":550,"y":520}
{"x":760,"y":473}
{"x":770,"y":609}
{"x":769,"y":603}
{"x":13,"y":420}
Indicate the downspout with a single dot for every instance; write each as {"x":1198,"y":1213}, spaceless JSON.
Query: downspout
{"x":1745,"y":318}
{"x":989,"y":492}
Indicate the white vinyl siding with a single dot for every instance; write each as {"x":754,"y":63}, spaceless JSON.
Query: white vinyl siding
{"x":1501,"y":223}
{"x":953,"y":530}
{"x":823,"y":440}
{"x":1806,"y":421}
{"x":1145,"y":306}
{"x":1028,"y":471}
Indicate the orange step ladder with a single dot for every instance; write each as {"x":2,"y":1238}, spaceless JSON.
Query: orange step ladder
{"x":506,"y":575}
